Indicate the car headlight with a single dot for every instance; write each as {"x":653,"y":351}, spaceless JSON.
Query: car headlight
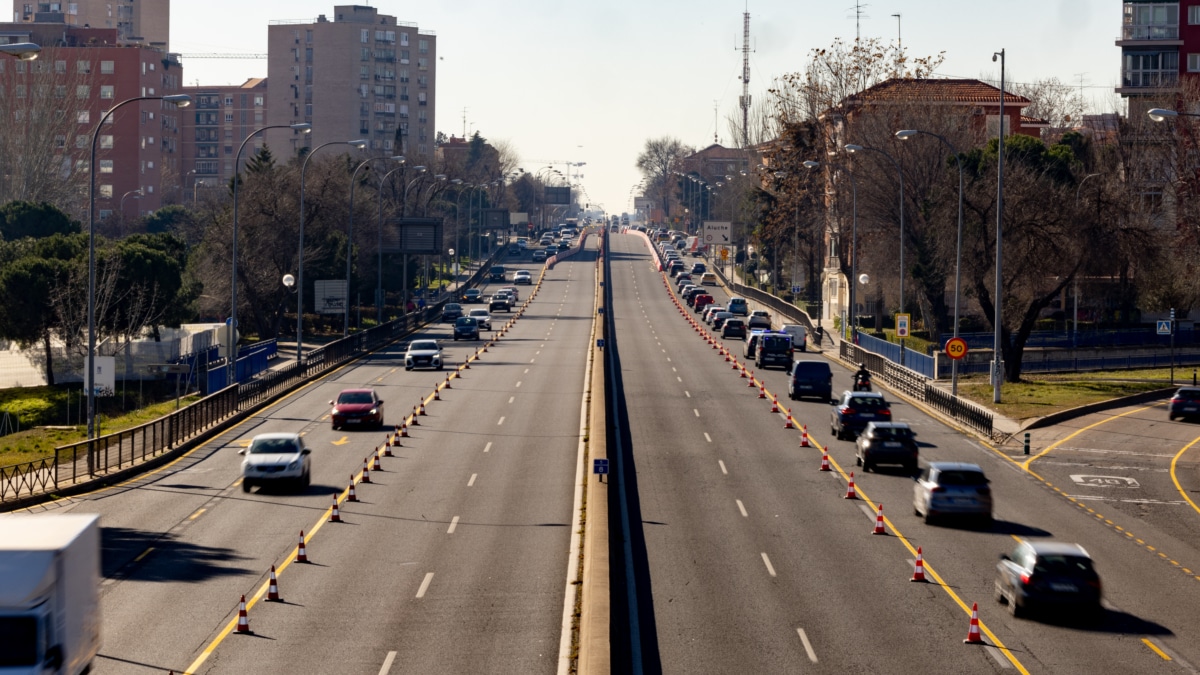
{"x":294,"y":465}
{"x":334,"y":412}
{"x":373,"y":411}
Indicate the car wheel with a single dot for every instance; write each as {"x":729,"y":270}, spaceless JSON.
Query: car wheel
{"x":1171,"y":418}
{"x":245,"y":486}
{"x":998,"y":594}
{"x":1014,"y":608}
{"x":868,"y":466}
{"x":792,"y":395}
{"x":916,"y":511}
{"x":439,"y":366}
{"x":857,"y":460}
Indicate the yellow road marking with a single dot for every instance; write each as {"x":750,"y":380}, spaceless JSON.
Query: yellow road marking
{"x":1060,"y":441}
{"x":143,"y":554}
{"x":341,"y":441}
{"x":237,"y":482}
{"x":196,"y":514}
{"x":1175,"y":478}
{"x":1154,"y":648}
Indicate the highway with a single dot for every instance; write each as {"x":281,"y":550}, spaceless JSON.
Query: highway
{"x":454,"y":559}
{"x":755,"y":562}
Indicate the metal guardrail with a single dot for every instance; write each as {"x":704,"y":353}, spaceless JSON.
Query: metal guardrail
{"x":779,"y":305}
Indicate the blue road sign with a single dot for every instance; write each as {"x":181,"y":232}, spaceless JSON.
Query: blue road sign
{"x":600,"y":343}
{"x":600,"y":466}
{"x":1164,"y":327}
{"x":796,"y":290}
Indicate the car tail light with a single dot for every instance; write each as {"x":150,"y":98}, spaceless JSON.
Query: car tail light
{"x":886,"y":411}
{"x":1025,"y":578}
{"x":937,"y":488}
{"x":1094,"y":583}
{"x":847,"y":411}
{"x":1176,"y":399}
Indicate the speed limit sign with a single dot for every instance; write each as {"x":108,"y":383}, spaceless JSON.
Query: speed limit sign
{"x":956,"y":348}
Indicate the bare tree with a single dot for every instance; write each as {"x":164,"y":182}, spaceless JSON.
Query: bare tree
{"x":658,"y":161}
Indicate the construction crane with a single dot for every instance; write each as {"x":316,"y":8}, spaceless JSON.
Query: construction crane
{"x":223,"y":56}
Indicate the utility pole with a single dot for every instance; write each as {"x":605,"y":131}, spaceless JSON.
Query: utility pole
{"x":744,"y":100}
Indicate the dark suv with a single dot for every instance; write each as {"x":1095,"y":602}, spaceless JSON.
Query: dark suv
{"x":774,"y":349}
{"x":1184,"y":404}
{"x":855,"y":410}
{"x":1049,"y":574}
{"x":466,"y":328}
{"x":887,"y":443}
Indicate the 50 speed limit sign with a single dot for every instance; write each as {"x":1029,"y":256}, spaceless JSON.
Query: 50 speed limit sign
{"x":956,"y":348}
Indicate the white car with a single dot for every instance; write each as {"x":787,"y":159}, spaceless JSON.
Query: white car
{"x":482,"y":316}
{"x":276,"y":458}
{"x":522,"y":277}
{"x":423,"y":353}
{"x":512,"y":291}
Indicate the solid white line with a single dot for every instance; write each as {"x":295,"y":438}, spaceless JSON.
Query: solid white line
{"x":867,"y":510}
{"x":1090,"y":498}
{"x":387,"y":663}
{"x":424,"y":585}
{"x":453,"y":524}
{"x":500,"y":422}
{"x":723,"y":469}
{"x":708,"y":438}
{"x":487,"y":447}
{"x":998,"y":655}
{"x":742,"y":508}
{"x":511,"y":399}
{"x":770,"y":569}
{"x":471,"y":483}
{"x":812,"y":656}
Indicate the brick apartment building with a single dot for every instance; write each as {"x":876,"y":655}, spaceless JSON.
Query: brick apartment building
{"x":81,"y":73}
{"x":1160,"y":43}
{"x":219,"y":118}
{"x":360,"y":75}
{"x":136,"y":21}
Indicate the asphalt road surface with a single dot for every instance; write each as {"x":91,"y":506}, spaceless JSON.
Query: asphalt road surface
{"x":453,"y":560}
{"x":757,"y":563}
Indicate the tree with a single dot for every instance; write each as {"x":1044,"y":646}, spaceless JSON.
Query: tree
{"x":26,"y":315}
{"x":174,"y":218}
{"x":25,"y":219}
{"x":658,"y":160}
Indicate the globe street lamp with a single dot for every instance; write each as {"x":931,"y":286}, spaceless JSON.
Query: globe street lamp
{"x":25,"y":51}
{"x":231,"y":356}
{"x":360,"y":144}
{"x":906,"y":134}
{"x":350,"y":234}
{"x":853,"y":237}
{"x":179,"y":100}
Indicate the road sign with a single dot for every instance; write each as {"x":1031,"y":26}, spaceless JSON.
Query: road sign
{"x":1164,"y":327}
{"x":717,"y":232}
{"x":724,"y":254}
{"x":600,"y":466}
{"x":902,"y":324}
{"x":796,"y":290}
{"x":956,"y":348}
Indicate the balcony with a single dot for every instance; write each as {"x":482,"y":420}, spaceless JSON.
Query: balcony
{"x":1145,"y":81}
{"x":1150,"y":32}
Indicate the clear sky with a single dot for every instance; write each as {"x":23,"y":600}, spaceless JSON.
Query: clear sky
{"x":590,"y":81}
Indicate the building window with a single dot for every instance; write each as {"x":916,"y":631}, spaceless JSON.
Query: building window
{"x":308,"y":36}
{"x":258,"y":100}
{"x":60,"y":91}
{"x":423,"y":46}
{"x":1194,"y":59}
{"x":404,"y":39}
{"x":1151,"y":69}
{"x":82,"y":91}
{"x":84,"y":116}
{"x":228,"y":118}
{"x":81,"y":140}
{"x":228,"y":100}
{"x":60,"y":141}
{"x":106,"y":67}
{"x":106,"y":166}
{"x":106,"y":191}
{"x":83,"y":67}
{"x":60,"y":67}
{"x":364,"y":72}
{"x":106,"y":141}
{"x":81,"y":165}
{"x":1151,"y":21}
{"x":364,"y":36}
{"x":422,"y":64}
{"x":106,"y":91}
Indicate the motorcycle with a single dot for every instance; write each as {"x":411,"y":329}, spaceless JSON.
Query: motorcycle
{"x":862,"y":383}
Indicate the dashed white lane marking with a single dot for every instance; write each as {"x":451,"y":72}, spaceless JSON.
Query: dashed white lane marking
{"x":500,"y":422}
{"x":709,"y":439}
{"x":696,"y":411}
{"x":532,"y":360}
{"x":668,"y":359}
{"x":453,"y":524}
{"x":679,"y":378}
{"x":387,"y":663}
{"x":770,"y":568}
{"x":526,"y":371}
{"x":723,"y":469}
{"x":812,"y":656}
{"x":674,"y":369}
{"x":664,"y":351}
{"x":471,"y":483}
{"x":742,"y":508}
{"x":511,"y":399}
{"x":537,"y":352}
{"x":424,"y":585}
{"x":487,"y":447}
{"x":687,"y":393}
{"x":518,"y":384}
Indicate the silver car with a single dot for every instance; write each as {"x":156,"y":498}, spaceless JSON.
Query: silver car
{"x":276,"y":458}
{"x":423,"y":354}
{"x":483,"y":317}
{"x":952,"y":489}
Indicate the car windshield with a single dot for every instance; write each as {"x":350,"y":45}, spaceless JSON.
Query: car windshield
{"x":355,"y":397}
{"x":423,"y":346}
{"x":961,"y":478}
{"x":1066,"y":565}
{"x":867,"y":402}
{"x":900,"y":433}
{"x":479,"y":313}
{"x":273,"y":446}
{"x":1188,"y":394}
{"x":776,"y":342}
{"x":453,"y":306}
{"x":465,"y":321}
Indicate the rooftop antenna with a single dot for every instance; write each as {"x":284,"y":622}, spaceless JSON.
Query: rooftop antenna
{"x":859,"y":15}
{"x":464,"y":122}
{"x":744,"y":100}
{"x":716,"y":123}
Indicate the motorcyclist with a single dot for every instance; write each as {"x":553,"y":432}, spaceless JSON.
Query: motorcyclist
{"x":862,"y":378}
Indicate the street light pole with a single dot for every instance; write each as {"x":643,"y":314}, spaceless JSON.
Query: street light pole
{"x":180,"y":100}
{"x":404,"y":254}
{"x":998,"y":344}
{"x":360,"y":144}
{"x":905,"y":134}
{"x":379,"y":242}
{"x":851,"y":148}
{"x":853,"y":239}
{"x":350,"y":237}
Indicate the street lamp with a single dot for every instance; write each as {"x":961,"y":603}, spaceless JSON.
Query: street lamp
{"x":360,"y":144}
{"x":25,"y":51}
{"x":437,"y":178}
{"x":350,"y":235}
{"x":180,"y":100}
{"x":853,"y":237}
{"x":231,"y":356}
{"x":852,"y":148}
{"x":136,"y":194}
{"x":906,"y":134}
{"x":998,"y":345}
{"x":379,"y":241}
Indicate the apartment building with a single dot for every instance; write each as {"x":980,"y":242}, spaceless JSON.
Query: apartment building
{"x":1160,"y":43}
{"x":136,"y":21}
{"x":361,"y":74}
{"x":80,"y":74}
{"x":217,"y":122}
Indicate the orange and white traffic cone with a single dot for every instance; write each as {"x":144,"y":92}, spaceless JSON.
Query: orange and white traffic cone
{"x":301,"y":552}
{"x":335,"y":516}
{"x":394,"y":439}
{"x":243,"y":624}
{"x":751,"y":382}
{"x":447,"y":382}
{"x":375,"y":464}
{"x":437,"y":393}
{"x":918,"y":568}
{"x":415,"y":422}
{"x":774,"y":404}
{"x":789,"y":424}
{"x":366,"y":471}
{"x":352,"y":496}
{"x":273,"y":587}
{"x":879,"y":521}
{"x":387,"y":447}
{"x":973,"y":636}
{"x":825,"y":460}
{"x":850,"y":488}
{"x":422,"y":408}
{"x":804,"y":436}
{"x":404,"y":430}
{"x":762,"y":391}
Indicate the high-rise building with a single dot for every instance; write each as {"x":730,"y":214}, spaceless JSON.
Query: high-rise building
{"x":361,"y":75}
{"x":136,"y":21}
{"x":219,"y":118}
{"x":1160,"y":44}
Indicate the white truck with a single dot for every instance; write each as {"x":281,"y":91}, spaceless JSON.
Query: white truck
{"x":49,"y":593}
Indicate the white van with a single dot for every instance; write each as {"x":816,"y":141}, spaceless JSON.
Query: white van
{"x":798,"y":333}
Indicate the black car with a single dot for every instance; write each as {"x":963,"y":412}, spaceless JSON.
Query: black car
{"x":774,"y":349}
{"x":887,"y":443}
{"x":684,"y":278}
{"x":855,"y":410}
{"x":733,"y":328}
{"x":1049,"y":575}
{"x":1185,"y":404}
{"x":699,"y":268}
{"x":676,"y":267}
{"x":451,"y":311}
{"x":810,"y":378}
{"x":472,"y":295}
{"x":499,"y":303}
{"x":466,"y":328}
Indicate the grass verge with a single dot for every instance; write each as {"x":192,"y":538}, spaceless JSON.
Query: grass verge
{"x":1038,"y":395}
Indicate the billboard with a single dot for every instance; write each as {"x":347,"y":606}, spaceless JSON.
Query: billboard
{"x":518,"y":218}
{"x":106,"y":375}
{"x":415,"y":236}
{"x":558,"y":195}
{"x":330,"y":296}
{"x":496,"y":219}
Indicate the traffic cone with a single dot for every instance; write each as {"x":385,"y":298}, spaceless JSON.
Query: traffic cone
{"x":437,"y":395}
{"x":243,"y":624}
{"x":414,"y":421}
{"x":387,"y":449}
{"x":879,"y":521}
{"x":774,"y":404}
{"x":973,"y":636}
{"x":804,"y":436}
{"x":422,"y":408}
{"x":762,"y":391}
{"x":396,"y":429}
{"x":743,"y":374}
{"x":366,"y":472}
{"x":335,"y":516}
{"x":353,"y":496}
{"x":447,"y":385}
{"x":273,"y":587}
{"x":919,"y":568}
{"x":788,"y":424}
{"x":393,"y":440}
{"x":375,"y":464}
{"x":726,"y":353}
{"x":301,"y":553}
{"x":850,"y":488}
{"x":825,"y":461}
{"x":403,"y":431}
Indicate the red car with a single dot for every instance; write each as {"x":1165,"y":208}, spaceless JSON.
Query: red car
{"x":357,"y":408}
{"x":701,"y":301}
